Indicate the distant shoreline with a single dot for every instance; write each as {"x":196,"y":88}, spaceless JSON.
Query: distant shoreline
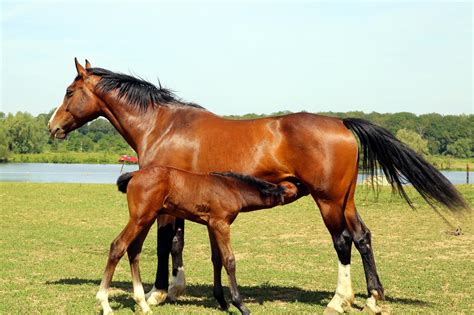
{"x":440,"y":162}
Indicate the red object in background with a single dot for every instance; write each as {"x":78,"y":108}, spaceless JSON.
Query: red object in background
{"x":128,"y":158}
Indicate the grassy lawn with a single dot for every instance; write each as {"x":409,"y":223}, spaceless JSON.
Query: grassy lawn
{"x":54,"y":240}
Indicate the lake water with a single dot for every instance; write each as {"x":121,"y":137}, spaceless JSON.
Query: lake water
{"x":107,"y":173}
{"x":62,"y":173}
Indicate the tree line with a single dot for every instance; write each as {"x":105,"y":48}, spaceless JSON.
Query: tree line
{"x":428,"y":134}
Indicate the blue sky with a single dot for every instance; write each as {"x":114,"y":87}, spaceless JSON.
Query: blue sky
{"x":242,"y":57}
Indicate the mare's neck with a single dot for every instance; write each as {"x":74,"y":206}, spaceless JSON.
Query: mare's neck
{"x":133,"y":125}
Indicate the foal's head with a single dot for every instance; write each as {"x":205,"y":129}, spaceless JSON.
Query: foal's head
{"x":79,"y":106}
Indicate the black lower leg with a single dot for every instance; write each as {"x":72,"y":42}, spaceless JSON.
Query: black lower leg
{"x":218,"y":291}
{"x":362,"y":241}
{"x":234,"y":290}
{"x":343,"y":245}
{"x":177,"y":246}
{"x":165,"y":237}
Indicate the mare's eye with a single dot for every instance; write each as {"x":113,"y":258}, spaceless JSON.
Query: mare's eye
{"x":69,"y":93}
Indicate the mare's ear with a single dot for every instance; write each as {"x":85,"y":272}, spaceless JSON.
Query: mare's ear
{"x":80,"y":69}
{"x":88,"y":64}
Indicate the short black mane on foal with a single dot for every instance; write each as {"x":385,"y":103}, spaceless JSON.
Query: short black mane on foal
{"x":137,"y":91}
{"x":264,"y":187}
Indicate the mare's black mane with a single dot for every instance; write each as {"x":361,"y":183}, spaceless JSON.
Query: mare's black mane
{"x":136,"y":91}
{"x":264,"y":187}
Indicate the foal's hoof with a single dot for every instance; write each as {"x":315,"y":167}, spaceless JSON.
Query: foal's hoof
{"x":156,"y":297}
{"x":224,"y":305}
{"x":107,"y":311}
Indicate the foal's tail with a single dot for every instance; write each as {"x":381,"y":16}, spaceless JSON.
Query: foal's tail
{"x":400,"y":164}
{"x":122,"y":181}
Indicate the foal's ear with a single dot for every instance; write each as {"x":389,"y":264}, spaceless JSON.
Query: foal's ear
{"x":80,"y":69}
{"x":88,"y":64}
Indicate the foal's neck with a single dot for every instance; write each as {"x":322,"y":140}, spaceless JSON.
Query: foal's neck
{"x":254,"y":200}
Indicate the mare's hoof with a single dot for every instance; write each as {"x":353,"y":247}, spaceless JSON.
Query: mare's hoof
{"x":177,"y":286}
{"x":372,"y":309}
{"x":330,"y":311}
{"x":156,"y":297}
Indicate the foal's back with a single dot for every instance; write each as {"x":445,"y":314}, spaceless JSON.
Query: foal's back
{"x":197,"y":197}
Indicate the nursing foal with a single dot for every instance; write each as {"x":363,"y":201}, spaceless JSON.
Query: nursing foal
{"x":213,"y":199}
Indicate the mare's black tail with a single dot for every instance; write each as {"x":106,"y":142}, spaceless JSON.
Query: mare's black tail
{"x":400,"y":164}
{"x":122,"y":181}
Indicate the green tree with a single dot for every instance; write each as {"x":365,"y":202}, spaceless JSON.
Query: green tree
{"x":26,"y":134}
{"x":413,"y":140}
{"x":461,"y":148}
{"x":4,"y":152}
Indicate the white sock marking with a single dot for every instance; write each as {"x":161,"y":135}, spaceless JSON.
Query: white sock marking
{"x":344,"y":295}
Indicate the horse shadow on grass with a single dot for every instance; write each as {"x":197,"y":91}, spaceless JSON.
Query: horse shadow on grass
{"x":201,"y":294}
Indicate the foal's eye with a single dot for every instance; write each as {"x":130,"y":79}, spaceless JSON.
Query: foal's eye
{"x":69,"y":93}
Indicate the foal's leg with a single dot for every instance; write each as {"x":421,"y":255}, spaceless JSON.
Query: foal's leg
{"x":117,"y":250}
{"x":221,"y":231}
{"x":217,"y":264}
{"x":362,"y":240}
{"x":178,"y":281}
{"x":333,"y":216}
{"x":134,"y":251}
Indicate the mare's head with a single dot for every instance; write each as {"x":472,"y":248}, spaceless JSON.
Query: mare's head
{"x":80,"y":104}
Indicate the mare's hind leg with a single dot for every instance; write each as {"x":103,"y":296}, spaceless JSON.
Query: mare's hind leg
{"x":178,"y":281}
{"x":362,"y":240}
{"x":333,"y":216}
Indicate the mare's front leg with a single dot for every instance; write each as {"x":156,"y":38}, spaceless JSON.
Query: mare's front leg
{"x":117,"y":250}
{"x":217,"y":264}
{"x":221,"y":231}
{"x":178,"y":281}
{"x":165,"y":233}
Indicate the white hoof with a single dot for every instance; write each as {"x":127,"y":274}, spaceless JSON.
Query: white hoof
{"x":107,"y":311}
{"x":103,"y":298}
{"x":177,"y":286}
{"x":145,"y":308}
{"x":371,"y":306}
{"x":340,"y":304}
{"x":155,"y":296}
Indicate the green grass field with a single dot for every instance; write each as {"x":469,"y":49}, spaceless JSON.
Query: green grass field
{"x":54,"y":240}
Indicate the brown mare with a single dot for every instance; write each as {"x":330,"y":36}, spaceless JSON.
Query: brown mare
{"x":213,"y":199}
{"x":318,"y":154}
